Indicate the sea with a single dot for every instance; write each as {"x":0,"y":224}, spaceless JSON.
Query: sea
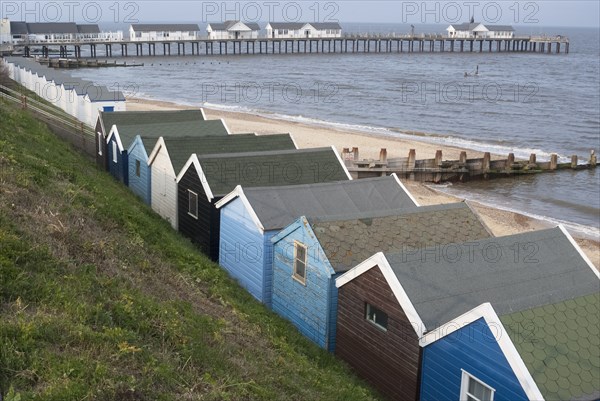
{"x":518,"y":102}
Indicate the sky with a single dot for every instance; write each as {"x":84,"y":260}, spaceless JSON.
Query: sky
{"x":522,"y":13}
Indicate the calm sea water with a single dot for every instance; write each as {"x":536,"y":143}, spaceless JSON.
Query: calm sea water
{"x":519,"y":103}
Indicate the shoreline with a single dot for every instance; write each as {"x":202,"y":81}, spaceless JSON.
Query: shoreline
{"x":500,"y":222}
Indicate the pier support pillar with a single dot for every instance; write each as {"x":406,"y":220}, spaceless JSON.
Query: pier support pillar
{"x":463,"y":158}
{"x":574,"y":161}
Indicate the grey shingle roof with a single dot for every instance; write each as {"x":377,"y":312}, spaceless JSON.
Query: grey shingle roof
{"x":513,"y":273}
{"x":287,"y":25}
{"x":470,"y":26}
{"x":165,"y":27}
{"x":253,"y":25}
{"x":51,"y":27}
{"x":502,"y":28}
{"x":18,"y":28}
{"x":466,"y":26}
{"x":88,"y":28}
{"x":276,"y":207}
{"x":226,"y":25}
{"x":180,"y":149}
{"x":351,"y":239}
{"x":326,"y":25}
{"x":261,"y":169}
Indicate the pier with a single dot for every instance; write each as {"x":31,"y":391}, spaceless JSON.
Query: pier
{"x":438,"y":170}
{"x":347,"y":44}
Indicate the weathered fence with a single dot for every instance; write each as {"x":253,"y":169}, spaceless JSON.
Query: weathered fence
{"x":63,"y":125}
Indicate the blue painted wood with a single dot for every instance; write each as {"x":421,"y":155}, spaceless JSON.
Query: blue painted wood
{"x":474,"y":349}
{"x":268,"y":268}
{"x":308,"y":306}
{"x":140,"y":185}
{"x":241,"y":246}
{"x":117,"y":166}
{"x":333,"y":307}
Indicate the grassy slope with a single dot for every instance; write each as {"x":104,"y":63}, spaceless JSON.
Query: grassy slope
{"x":100,"y":299}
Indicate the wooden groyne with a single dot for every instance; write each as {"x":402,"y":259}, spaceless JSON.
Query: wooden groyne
{"x":84,"y":63}
{"x":439,"y":170}
{"x":433,"y":43}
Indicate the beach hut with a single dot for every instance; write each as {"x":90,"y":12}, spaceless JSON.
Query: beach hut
{"x":106,"y":121}
{"x":485,"y":319}
{"x":204,"y":180}
{"x":163,"y":32}
{"x":170,"y":155}
{"x":250,"y":217}
{"x":142,"y":146}
{"x":233,"y":30}
{"x":153,"y":125}
{"x":312,"y":252}
{"x":98,"y":98}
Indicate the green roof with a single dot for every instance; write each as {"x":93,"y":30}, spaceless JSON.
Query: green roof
{"x":348,"y":240}
{"x":560,"y":345}
{"x":266,"y":169}
{"x":148,"y":117}
{"x":180,"y":149}
{"x":154,"y":124}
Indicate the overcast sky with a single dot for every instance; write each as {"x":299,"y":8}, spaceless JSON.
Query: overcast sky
{"x":528,"y":13}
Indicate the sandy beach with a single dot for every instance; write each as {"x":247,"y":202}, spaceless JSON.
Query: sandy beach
{"x":499,"y":222}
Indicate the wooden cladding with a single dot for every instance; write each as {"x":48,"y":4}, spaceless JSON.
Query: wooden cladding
{"x":388,"y":359}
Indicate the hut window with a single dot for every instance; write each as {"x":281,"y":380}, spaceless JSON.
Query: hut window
{"x":193,"y":204}
{"x":100,"y":143}
{"x":114,"y":149}
{"x":300,"y":262}
{"x":376,"y":316}
{"x":473,"y":389}
{"x":137,"y":168}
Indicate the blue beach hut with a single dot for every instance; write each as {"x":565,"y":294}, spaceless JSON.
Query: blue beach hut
{"x":250,"y":217}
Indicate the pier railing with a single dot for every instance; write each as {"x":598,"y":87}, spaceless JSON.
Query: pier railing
{"x":348,"y":43}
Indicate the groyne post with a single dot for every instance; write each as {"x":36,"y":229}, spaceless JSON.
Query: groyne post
{"x":553,"y":161}
{"x":383,"y":155}
{"x":510,"y":161}
{"x":486,"y":162}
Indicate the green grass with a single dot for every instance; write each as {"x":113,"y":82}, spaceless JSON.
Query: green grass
{"x":101,"y":300}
